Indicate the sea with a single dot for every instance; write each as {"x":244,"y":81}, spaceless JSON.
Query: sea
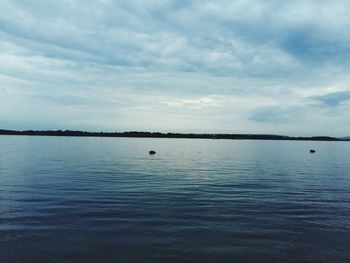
{"x":88,"y":199}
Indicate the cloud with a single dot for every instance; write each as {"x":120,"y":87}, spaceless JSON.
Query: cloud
{"x":192,"y":103}
{"x":232,"y":65}
{"x":277,"y":115}
{"x":333,"y":99}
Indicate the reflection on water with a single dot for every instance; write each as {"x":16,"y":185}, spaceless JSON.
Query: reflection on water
{"x":108,"y":200}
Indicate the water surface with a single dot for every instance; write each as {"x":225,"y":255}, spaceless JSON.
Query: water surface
{"x":68,"y":199}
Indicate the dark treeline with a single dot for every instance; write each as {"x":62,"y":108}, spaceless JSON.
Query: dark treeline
{"x":166,"y":135}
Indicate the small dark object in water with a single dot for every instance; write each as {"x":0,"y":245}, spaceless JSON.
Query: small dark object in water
{"x":312,"y":151}
{"x":152,"y":152}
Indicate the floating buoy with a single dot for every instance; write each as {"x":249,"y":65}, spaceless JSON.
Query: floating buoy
{"x":312,"y":151}
{"x":152,"y":152}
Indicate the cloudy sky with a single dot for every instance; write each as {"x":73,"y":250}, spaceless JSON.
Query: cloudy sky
{"x":254,"y":66}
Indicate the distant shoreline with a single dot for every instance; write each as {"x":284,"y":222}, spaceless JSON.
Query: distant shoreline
{"x":136,"y":134}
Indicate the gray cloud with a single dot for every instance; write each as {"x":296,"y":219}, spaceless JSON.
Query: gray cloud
{"x":126,"y":61}
{"x":272,"y":115}
{"x":333,"y":99}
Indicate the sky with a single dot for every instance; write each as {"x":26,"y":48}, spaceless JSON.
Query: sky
{"x":257,"y":66}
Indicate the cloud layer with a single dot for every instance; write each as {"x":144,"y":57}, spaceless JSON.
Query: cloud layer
{"x":184,"y":66}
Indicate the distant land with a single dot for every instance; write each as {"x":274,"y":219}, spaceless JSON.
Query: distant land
{"x":136,"y":134}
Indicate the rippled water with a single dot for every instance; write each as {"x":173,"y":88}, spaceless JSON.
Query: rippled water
{"x":107,"y":200}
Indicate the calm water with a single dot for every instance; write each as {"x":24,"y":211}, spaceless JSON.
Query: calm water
{"x":107,"y":200}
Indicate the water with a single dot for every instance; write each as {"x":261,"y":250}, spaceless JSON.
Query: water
{"x":108,"y":200}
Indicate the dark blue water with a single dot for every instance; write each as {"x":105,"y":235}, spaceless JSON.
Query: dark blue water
{"x":107,"y":200}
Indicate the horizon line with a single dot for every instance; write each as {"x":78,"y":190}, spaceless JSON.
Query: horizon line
{"x":148,"y":134}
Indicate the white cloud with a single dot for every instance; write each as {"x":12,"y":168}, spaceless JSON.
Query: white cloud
{"x":192,"y":103}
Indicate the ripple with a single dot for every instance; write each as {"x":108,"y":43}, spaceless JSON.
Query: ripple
{"x":106,"y":200}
